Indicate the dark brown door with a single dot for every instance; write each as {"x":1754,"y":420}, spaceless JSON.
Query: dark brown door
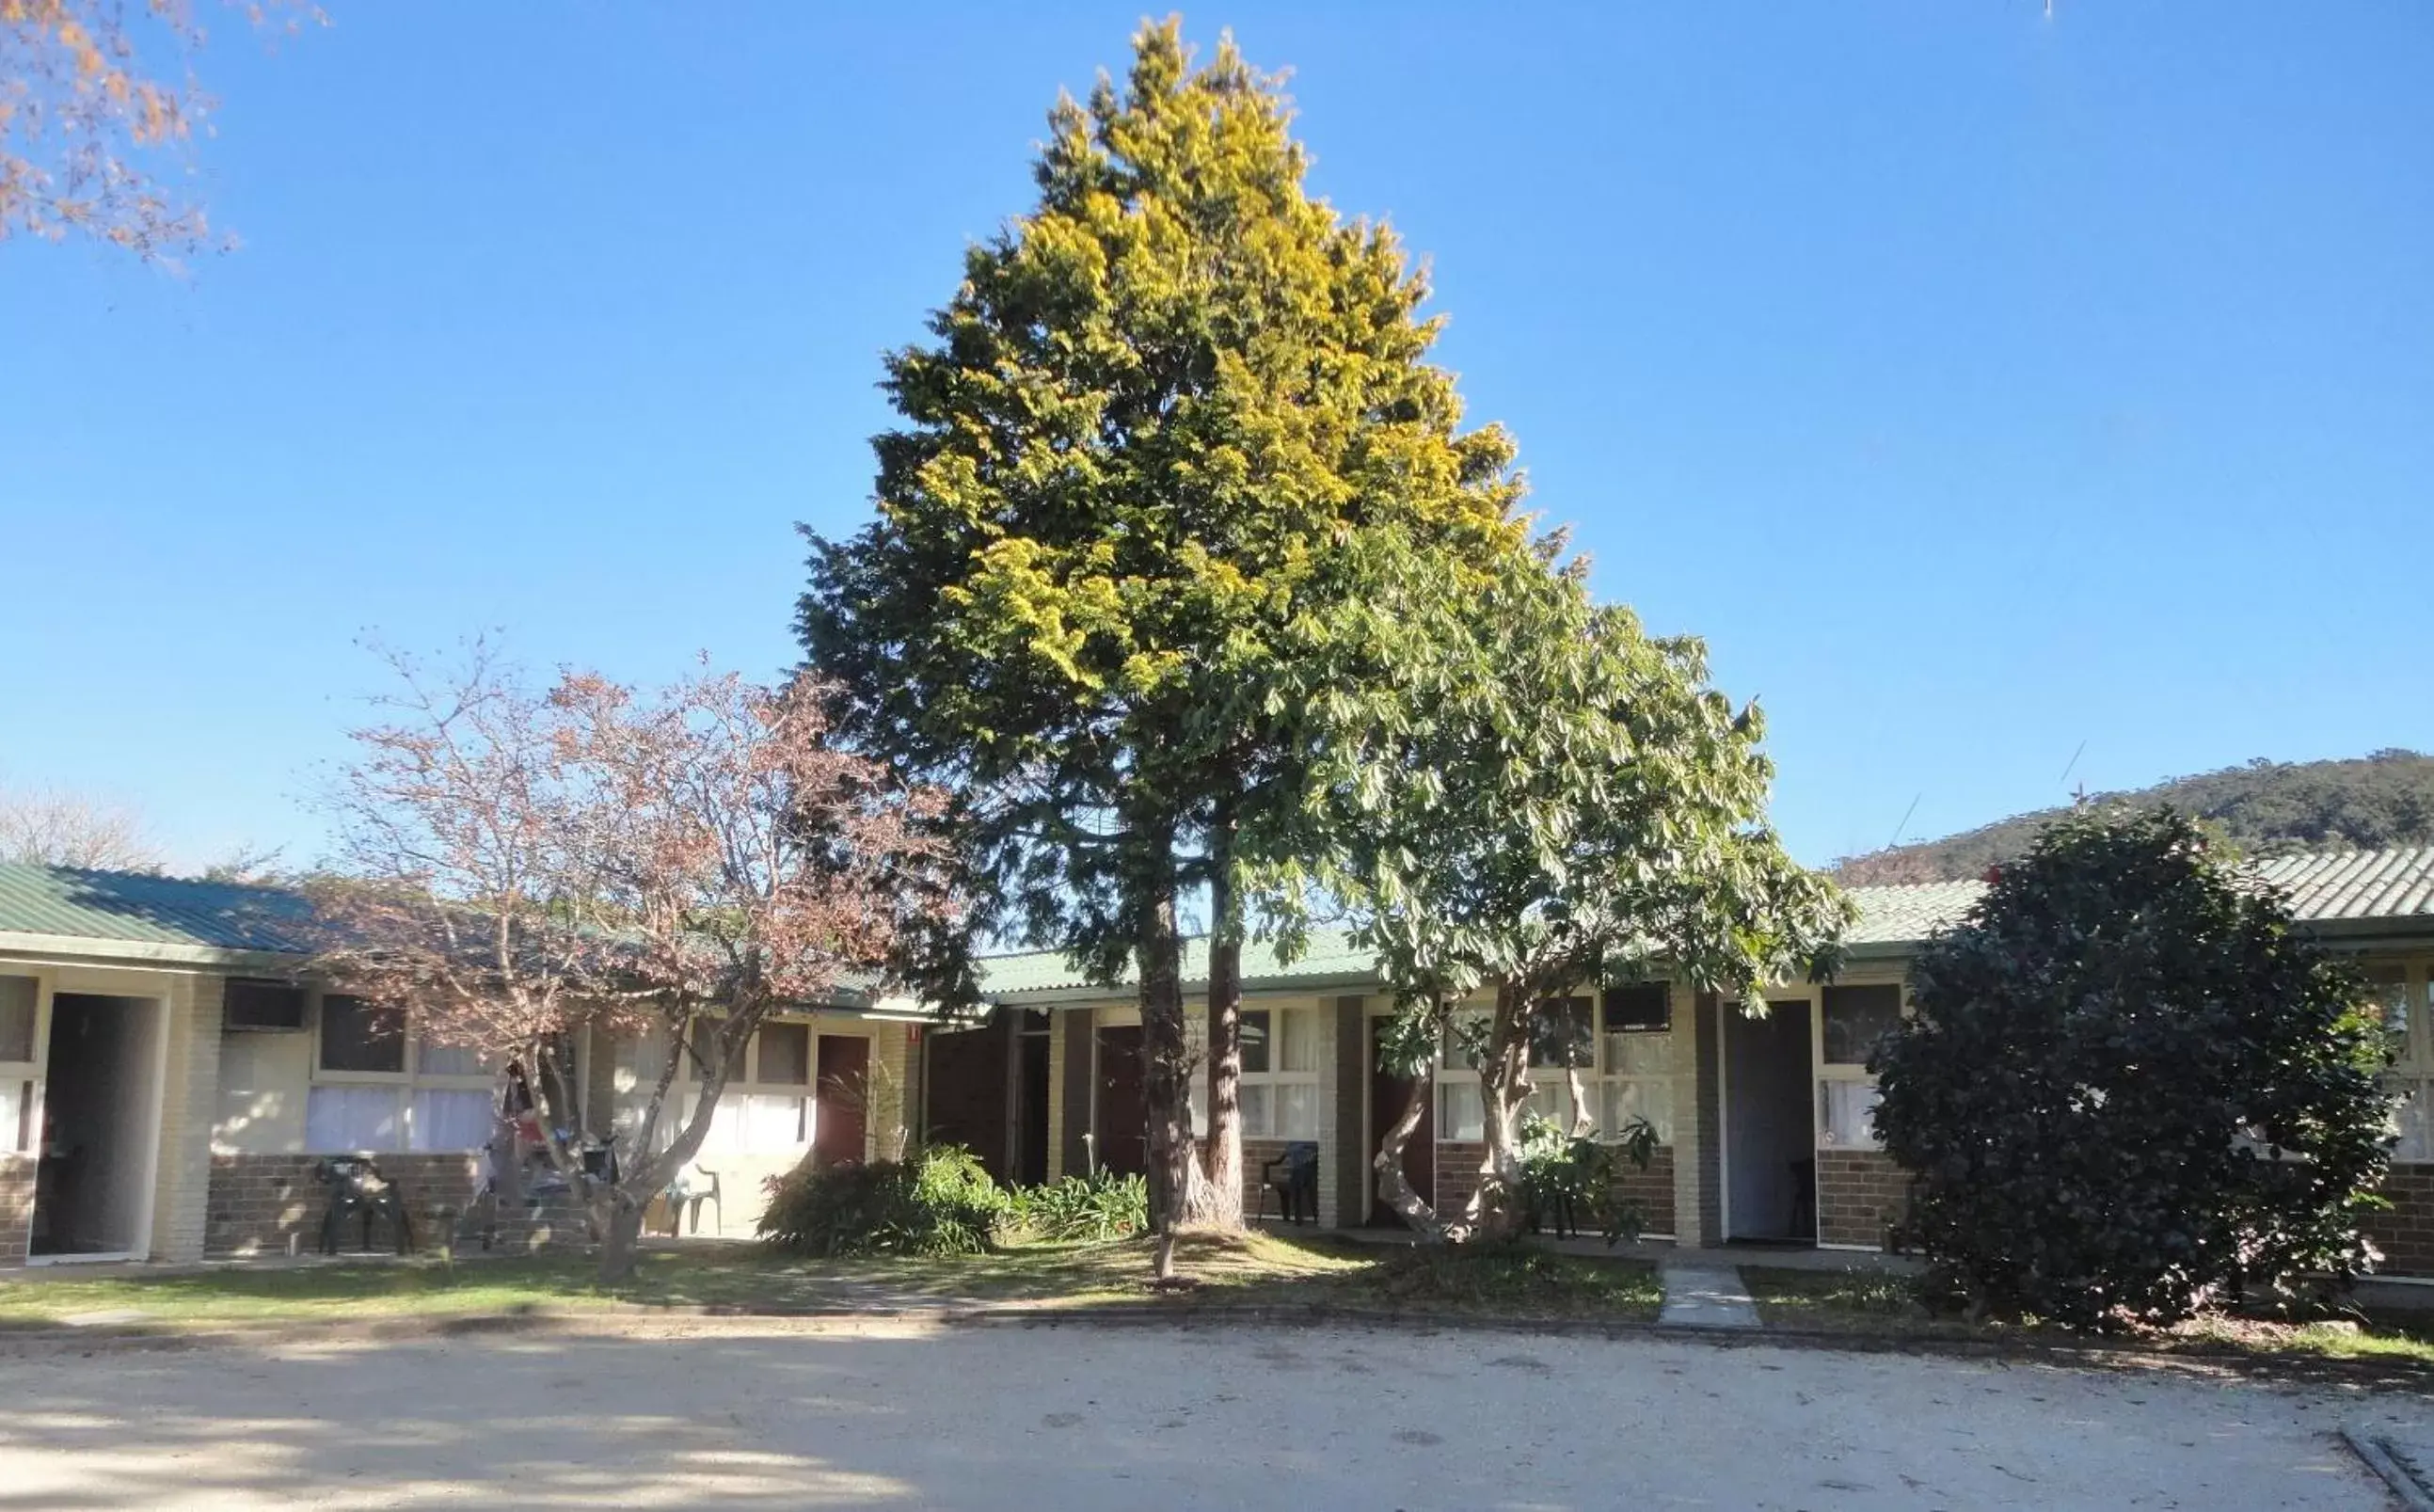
{"x":1122,"y":1121}
{"x":1388,"y":1096}
{"x":843,"y":1131}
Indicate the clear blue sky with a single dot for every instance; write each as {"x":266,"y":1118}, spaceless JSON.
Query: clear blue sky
{"x":1979,"y":384}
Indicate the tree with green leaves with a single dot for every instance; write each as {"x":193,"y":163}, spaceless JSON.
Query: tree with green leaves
{"x":1133,"y":461}
{"x":1522,"y":792}
{"x":2131,"y":1089}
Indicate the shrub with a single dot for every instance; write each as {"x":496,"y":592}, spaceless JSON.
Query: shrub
{"x":1575,"y":1175}
{"x":2132,"y":1090}
{"x":1101,"y":1205}
{"x":940,"y":1202}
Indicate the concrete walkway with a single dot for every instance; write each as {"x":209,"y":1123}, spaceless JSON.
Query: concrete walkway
{"x":1706,"y":1297}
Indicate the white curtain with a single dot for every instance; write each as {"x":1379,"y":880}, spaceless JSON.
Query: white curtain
{"x":1849,"y":1108}
{"x":341,"y":1119}
{"x":1651,"y":1098}
{"x":452,"y":1119}
{"x":1296,"y":1108}
{"x":448,"y":1060}
{"x":774,"y":1123}
{"x":1459,"y":1115}
{"x":14,"y":1094}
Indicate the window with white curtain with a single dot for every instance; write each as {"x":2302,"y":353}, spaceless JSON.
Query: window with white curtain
{"x":1622,"y":1044}
{"x":1279,"y":1086}
{"x":380,"y":1087}
{"x":1850,"y":1019}
{"x":2400,"y":995}
{"x":20,"y":1000}
{"x":767,"y":1109}
{"x":1636,"y":1066}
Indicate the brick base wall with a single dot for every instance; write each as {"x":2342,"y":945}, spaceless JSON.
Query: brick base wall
{"x":1652,"y":1189}
{"x":2404,"y":1231}
{"x":16,"y":1207}
{"x":256,"y":1201}
{"x":1860,"y":1195}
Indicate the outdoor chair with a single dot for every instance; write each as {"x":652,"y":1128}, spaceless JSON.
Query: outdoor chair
{"x":1295,"y":1185}
{"x":357,"y":1190}
{"x":695,"y":1186}
{"x":1804,"y":1199}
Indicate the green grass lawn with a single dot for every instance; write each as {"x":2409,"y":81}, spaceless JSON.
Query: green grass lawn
{"x":1857,"y":1302}
{"x":1253,"y":1270}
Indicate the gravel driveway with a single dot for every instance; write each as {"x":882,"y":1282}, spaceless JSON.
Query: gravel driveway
{"x":751,"y":1412}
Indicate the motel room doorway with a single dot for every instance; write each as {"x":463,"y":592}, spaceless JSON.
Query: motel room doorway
{"x":101,"y":1104}
{"x":1769,"y":1155}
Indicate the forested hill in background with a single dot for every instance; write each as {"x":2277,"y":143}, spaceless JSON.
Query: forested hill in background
{"x":2267,"y":807}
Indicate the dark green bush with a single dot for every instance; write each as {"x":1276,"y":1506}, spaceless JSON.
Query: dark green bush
{"x":1101,"y":1205}
{"x":2132,"y":1090}
{"x":1575,"y":1175}
{"x":940,"y":1202}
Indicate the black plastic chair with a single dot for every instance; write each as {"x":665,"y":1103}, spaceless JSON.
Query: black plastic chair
{"x":1296,"y":1189}
{"x":357,"y":1190}
{"x":1804,"y":1199}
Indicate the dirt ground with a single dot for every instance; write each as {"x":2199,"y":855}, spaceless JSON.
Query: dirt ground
{"x":757,"y":1413}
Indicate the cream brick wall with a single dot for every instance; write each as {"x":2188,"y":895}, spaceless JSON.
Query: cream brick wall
{"x":189,"y":1101}
{"x":1694,"y":1128}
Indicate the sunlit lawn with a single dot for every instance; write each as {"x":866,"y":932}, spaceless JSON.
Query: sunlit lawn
{"x":1258,"y":1269}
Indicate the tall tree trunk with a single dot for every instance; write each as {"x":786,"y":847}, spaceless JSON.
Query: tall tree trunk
{"x":1166,"y":1059}
{"x":1218,"y":1202}
{"x":1495,"y":1209}
{"x":1393,"y":1183}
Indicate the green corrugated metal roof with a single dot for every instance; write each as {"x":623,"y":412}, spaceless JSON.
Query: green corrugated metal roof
{"x":142,"y":909}
{"x":2323,"y":887}
{"x":133,"y":907}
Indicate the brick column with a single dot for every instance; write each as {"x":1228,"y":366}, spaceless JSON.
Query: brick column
{"x":1347,"y":1025}
{"x":1697,"y":1201}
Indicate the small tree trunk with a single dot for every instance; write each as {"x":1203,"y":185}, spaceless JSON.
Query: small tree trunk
{"x":620,"y":1233}
{"x":1494,"y":1211}
{"x":1218,"y":1202}
{"x":649,"y":1174}
{"x":1394,"y":1182}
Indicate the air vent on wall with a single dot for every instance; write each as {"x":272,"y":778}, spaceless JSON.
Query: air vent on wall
{"x":264,"y":1007}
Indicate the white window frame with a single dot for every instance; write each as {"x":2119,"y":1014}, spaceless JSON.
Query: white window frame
{"x":1610,"y":1074}
{"x":2411,"y":1072}
{"x":1275,"y":1078}
{"x":734,"y":1102}
{"x":1550,"y":1089}
{"x":21,"y":1134}
{"x":405,"y":1083}
{"x":1830,"y":1074}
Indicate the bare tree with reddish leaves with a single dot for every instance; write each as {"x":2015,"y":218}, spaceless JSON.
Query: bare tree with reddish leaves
{"x":515,"y":865}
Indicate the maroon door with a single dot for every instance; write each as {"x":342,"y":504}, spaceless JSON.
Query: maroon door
{"x":1388,"y":1096}
{"x":841,"y":1134}
{"x":1122,"y":1121}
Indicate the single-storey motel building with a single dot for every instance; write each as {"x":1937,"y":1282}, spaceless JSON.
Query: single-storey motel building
{"x":170,"y":1077}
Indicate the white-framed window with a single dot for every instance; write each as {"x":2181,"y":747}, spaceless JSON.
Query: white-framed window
{"x":1279,"y":1085}
{"x":379,"y":1087}
{"x":1636,"y":1058}
{"x":1850,"y":1020}
{"x":21,"y":1074}
{"x":1622,"y":1044}
{"x":769,"y":1109}
{"x":2401,"y":995}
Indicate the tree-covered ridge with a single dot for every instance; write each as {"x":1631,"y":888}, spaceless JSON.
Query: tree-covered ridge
{"x":2267,"y":807}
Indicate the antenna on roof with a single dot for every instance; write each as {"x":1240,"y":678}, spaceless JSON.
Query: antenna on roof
{"x":2072,"y":764}
{"x":1904,"y":820}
